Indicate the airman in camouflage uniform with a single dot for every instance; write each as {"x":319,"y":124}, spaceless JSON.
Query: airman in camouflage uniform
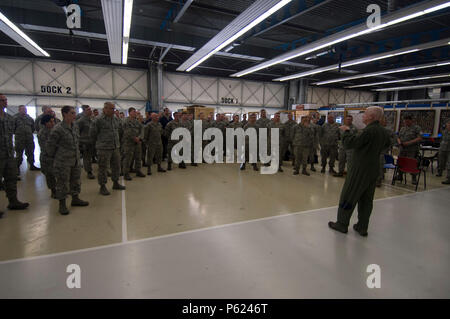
{"x":133,"y":135}
{"x":105,"y":134}
{"x":302,"y":139}
{"x":251,"y":124}
{"x":276,"y":123}
{"x":444,"y":153}
{"x":153,"y":138}
{"x":409,"y":139}
{"x":315,"y":145}
{"x":8,"y":164}
{"x":23,"y":131}
{"x":47,"y":124}
{"x":386,"y":151}
{"x":45,"y":110}
{"x":170,"y":127}
{"x":83,"y":124}
{"x":288,"y":129}
{"x":63,"y":148}
{"x":329,"y":136}
{"x":244,"y":120}
{"x":345,"y":155}
{"x":222,"y":124}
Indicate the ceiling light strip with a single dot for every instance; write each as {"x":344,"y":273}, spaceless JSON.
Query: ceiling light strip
{"x":248,"y":19}
{"x":403,"y":88}
{"x":17,"y":35}
{"x":399,"y":81}
{"x":368,"y":59}
{"x":362,"y":29}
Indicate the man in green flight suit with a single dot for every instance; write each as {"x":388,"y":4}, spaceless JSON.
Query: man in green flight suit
{"x":359,"y":186}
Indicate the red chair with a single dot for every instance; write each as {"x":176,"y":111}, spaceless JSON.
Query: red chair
{"x":411,"y":166}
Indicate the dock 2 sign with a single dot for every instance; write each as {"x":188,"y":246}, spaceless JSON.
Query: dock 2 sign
{"x":54,"y":89}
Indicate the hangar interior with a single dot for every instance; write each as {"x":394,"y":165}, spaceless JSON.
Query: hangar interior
{"x":215,"y":231}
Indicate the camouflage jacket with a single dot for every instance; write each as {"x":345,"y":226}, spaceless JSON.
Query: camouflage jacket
{"x":23,"y":126}
{"x":281,"y":131}
{"x":132,"y":128}
{"x":6,"y":134}
{"x":235,"y":125}
{"x":289,"y":128}
{"x":329,"y":134}
{"x":43,"y":136}
{"x":316,"y":128}
{"x":353,"y":130}
{"x":303,"y":136}
{"x":62,"y":145}
{"x":105,"y":132}
{"x":83,"y":125}
{"x":263,"y":122}
{"x":408,"y":134}
{"x":172,"y":125}
{"x":152,"y":134}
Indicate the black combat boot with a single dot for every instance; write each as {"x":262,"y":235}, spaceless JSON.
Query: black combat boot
{"x":76,"y":201}
{"x":62,"y":207}
{"x":117,"y":186}
{"x":313,"y":169}
{"x":53,"y":193}
{"x":128,"y":177}
{"x":169,"y":166}
{"x":15,"y":204}
{"x":90,"y":175}
{"x":182,"y":165}
{"x":34,"y":168}
{"x":363,"y":233}
{"x":280,"y":169}
{"x":149,"y":171}
{"x":255,"y":167}
{"x":242,"y":168}
{"x":332,"y":171}
{"x":323,"y":169}
{"x":446,"y":182}
{"x":339,"y":227}
{"x":104,"y":191}
{"x":304,"y":172}
{"x":160,"y":169}
{"x":139,"y":174}
{"x":296,"y":172}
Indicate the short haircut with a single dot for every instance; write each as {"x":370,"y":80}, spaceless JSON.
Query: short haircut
{"x":45,"y":107}
{"x":46,"y":118}
{"x":22,"y":106}
{"x":130,"y":110}
{"x":66,"y":109}
{"x":85,"y":107}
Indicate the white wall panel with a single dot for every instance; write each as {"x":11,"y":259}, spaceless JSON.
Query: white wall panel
{"x":230,"y":89}
{"x":130,"y":84}
{"x":16,"y":76}
{"x":204,"y":90}
{"x":352,"y":96}
{"x":54,"y":75}
{"x":367,"y":97}
{"x":94,"y":81}
{"x":320,"y":96}
{"x":177,"y":88}
{"x":252,"y":93}
{"x":274,"y":95}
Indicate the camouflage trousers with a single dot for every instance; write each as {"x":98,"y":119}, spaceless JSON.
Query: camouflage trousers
{"x":444,"y":157}
{"x":301,"y":154}
{"x":132,"y":153}
{"x":47,"y":170}
{"x":26,"y":145}
{"x":154,"y":154}
{"x":169,"y":152}
{"x":105,"y":159}
{"x":8,"y":171}
{"x":87,"y":152}
{"x":328,"y":151}
{"x":344,"y":157}
{"x":67,"y":180}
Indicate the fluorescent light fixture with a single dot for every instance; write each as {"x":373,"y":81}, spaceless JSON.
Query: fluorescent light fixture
{"x":252,"y":16}
{"x":402,"y":88}
{"x":399,"y":81}
{"x":394,"y":18}
{"x":11,"y":30}
{"x":391,"y":71}
{"x":368,"y":59}
{"x":117,"y":16}
{"x":127,"y":14}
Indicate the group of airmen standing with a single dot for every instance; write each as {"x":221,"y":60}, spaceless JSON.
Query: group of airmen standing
{"x":123,"y":145}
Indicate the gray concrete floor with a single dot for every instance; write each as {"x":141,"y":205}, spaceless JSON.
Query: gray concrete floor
{"x":287,"y":256}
